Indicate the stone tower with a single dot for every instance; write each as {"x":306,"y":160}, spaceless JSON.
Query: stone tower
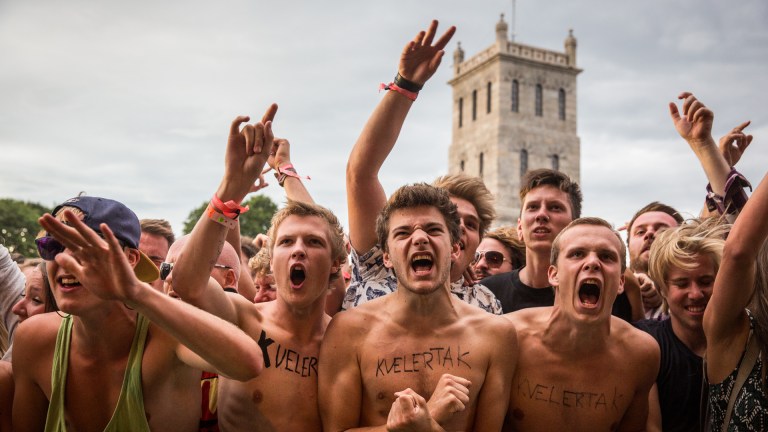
{"x":514,"y":109}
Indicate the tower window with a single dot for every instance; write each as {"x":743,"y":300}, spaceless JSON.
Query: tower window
{"x":555,"y":162}
{"x":561,"y":104}
{"x":461,"y":166}
{"x":461,"y":111}
{"x":523,"y":162}
{"x":474,"y":105}
{"x":515,"y":96}
{"x":481,"y":164}
{"x":488,"y":98}
{"x":539,"y":108}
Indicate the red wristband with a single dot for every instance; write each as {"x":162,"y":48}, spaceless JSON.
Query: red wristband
{"x":392,"y":86}
{"x":229,"y":209}
{"x":219,"y":218}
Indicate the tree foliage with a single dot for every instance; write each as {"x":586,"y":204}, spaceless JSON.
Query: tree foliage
{"x":18,"y":225}
{"x":254,"y":221}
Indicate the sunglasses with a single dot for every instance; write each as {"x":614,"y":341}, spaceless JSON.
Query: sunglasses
{"x":493,"y":258}
{"x":166,"y":267}
{"x":48,"y":247}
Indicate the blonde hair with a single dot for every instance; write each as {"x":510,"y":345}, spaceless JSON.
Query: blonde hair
{"x":473,"y":190}
{"x":298,"y":208}
{"x":678,"y":247}
{"x":259,"y":263}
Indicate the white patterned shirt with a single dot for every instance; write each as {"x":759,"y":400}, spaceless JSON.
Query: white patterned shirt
{"x":372,"y":279}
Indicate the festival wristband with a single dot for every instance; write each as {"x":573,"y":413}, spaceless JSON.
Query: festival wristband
{"x":392,"y":86}
{"x":220,"y":218}
{"x":407,"y":85}
{"x":285,"y":171}
{"x":229,"y":209}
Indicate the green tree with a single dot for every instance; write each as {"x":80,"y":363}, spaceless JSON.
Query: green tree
{"x":18,"y":225}
{"x":254,"y":221}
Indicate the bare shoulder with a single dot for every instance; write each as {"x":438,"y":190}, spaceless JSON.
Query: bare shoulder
{"x":640,"y":347}
{"x":357,"y":322}
{"x":36,"y":332}
{"x":481,"y":321}
{"x":526,"y":320}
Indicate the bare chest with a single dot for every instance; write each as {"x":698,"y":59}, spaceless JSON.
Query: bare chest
{"x":282,"y":397}
{"x":389,"y":366}
{"x":551,"y":393}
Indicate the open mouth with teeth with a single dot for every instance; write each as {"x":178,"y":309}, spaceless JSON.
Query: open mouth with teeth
{"x":696,"y":309}
{"x":298,"y":275}
{"x":421,"y":264}
{"x":589,"y":294}
{"x":68,"y":282}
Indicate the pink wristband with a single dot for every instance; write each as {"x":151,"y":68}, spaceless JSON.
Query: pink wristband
{"x":229,"y":209}
{"x":392,"y":86}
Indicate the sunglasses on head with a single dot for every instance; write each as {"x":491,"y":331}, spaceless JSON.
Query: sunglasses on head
{"x":48,"y":247}
{"x":493,"y":258}
{"x":166,"y":267}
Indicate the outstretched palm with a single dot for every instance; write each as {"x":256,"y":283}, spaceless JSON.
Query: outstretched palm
{"x":420,"y":58}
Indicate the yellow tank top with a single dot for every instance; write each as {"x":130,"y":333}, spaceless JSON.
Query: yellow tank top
{"x":129,"y":412}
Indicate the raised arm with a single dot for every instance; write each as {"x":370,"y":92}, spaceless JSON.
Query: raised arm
{"x":247,"y":151}
{"x":103,"y":266}
{"x":695,"y":127}
{"x":724,"y":317}
{"x":365,"y":195}
{"x":280,"y":161}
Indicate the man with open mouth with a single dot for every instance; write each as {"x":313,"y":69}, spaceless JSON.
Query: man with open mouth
{"x":580,"y":368}
{"x":366,"y":197}
{"x":306,"y":246}
{"x":125,"y":356}
{"x":418,"y":358}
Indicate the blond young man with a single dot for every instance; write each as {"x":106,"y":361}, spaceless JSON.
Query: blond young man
{"x":307,"y":250}
{"x":580,"y":368}
{"x":419,"y":358}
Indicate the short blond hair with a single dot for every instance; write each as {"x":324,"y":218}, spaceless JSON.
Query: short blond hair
{"x":259,"y":263}
{"x":335,"y":231}
{"x":473,"y":190}
{"x":679,"y":246}
{"x":593,"y":221}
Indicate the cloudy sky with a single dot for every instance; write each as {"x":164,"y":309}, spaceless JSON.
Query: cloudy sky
{"x":132,"y":100}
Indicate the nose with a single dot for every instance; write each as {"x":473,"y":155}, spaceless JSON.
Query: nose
{"x":419,"y":236}
{"x":696,"y":292}
{"x":19,"y":308}
{"x":592,"y":263}
{"x":542,"y":215}
{"x":650,"y":235}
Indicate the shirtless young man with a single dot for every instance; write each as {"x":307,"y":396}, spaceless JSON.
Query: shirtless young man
{"x":366,"y":197}
{"x":307,"y":249}
{"x":419,"y":358}
{"x":580,"y":369}
{"x":117,"y":356}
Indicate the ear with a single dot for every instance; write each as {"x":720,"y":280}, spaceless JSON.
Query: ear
{"x":622,"y":279}
{"x":519,"y":230}
{"x":552,"y":275}
{"x":229,"y":278}
{"x":387,"y":261}
{"x":455,"y":252}
{"x":133,"y":256}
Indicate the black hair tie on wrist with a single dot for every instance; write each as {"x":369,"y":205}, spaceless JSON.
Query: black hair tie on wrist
{"x":407,"y":85}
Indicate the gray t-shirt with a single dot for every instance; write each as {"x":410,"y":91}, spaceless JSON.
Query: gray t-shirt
{"x":11,"y":289}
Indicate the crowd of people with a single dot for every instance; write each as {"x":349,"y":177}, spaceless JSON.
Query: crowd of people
{"x":420,"y":317}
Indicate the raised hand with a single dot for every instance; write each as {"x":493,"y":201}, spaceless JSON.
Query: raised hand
{"x":651,"y":296}
{"x":695,"y":124}
{"x":247,"y":151}
{"x":734,"y":143}
{"x":279,"y":154}
{"x":420,"y":58}
{"x":100,"y":265}
{"x":450,"y":396}
{"x":409,"y":413}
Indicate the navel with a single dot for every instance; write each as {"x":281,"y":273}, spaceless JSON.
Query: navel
{"x":257,"y":396}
